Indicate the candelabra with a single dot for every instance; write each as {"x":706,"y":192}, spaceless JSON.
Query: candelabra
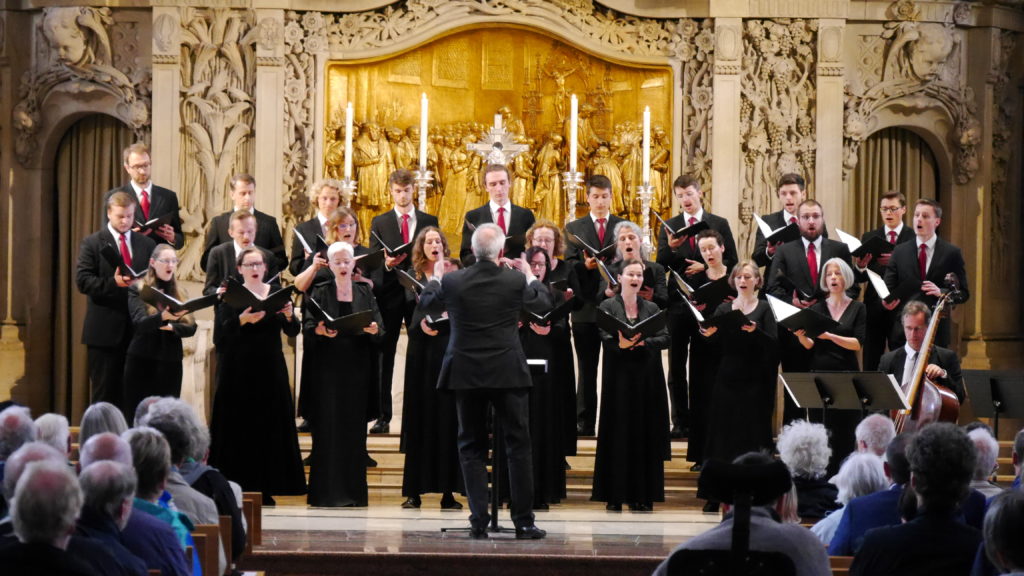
{"x":424,"y":180}
{"x":571,"y":182}
{"x":646,"y":193}
{"x":348,"y":190}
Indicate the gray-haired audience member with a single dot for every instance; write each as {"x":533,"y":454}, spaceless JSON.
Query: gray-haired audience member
{"x":101,"y":417}
{"x":1004,"y":524}
{"x":803,"y":447}
{"x":874,"y":433}
{"x":1018,"y":457}
{"x":987,"y":449}
{"x":936,"y":541}
{"x":108,"y":489}
{"x":53,"y":429}
{"x":862,"y":473}
{"x":142,"y":410}
{"x":16,"y":428}
{"x":145,"y":536}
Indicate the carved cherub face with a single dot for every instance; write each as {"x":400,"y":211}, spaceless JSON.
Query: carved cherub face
{"x":62,"y":33}
{"x":929,"y":54}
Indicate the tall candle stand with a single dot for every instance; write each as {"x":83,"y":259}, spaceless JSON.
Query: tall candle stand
{"x":424,"y":180}
{"x":646,"y":193}
{"x":571,"y":183}
{"x":348,"y":191}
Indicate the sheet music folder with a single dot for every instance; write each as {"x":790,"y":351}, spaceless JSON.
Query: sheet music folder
{"x":648,"y":326}
{"x":845,"y":390}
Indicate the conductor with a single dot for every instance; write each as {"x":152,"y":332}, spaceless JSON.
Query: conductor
{"x":485,"y":363}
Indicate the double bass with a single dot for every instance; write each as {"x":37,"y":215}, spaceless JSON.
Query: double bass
{"x":929,"y":402}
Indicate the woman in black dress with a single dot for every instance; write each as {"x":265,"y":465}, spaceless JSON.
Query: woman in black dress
{"x":341,"y":374}
{"x":633,"y":433}
{"x":562,"y":367}
{"x":430,"y":426}
{"x":837,"y":351}
{"x":153,"y":364}
{"x":252,"y":432}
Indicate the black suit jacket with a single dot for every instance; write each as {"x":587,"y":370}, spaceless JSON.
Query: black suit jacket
{"x":927,"y":545}
{"x":268,"y":236}
{"x":791,"y":262}
{"x":107,"y":321}
{"x":223,"y":264}
{"x":589,"y":280}
{"x":161,"y":201}
{"x":518,"y":223}
{"x":484,"y":302}
{"x":775,"y":220}
{"x":894,"y":362}
{"x":946,"y":259}
{"x":309,"y":230}
{"x":676,"y":259}
{"x":389,"y":291}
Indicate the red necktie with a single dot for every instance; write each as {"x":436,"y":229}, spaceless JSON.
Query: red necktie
{"x":892,"y":237}
{"x":693,"y":241}
{"x":405,"y":228}
{"x":145,"y":204}
{"x":600,"y":231}
{"x":125,"y":254}
{"x":792,"y":219}
{"x":501,"y":219}
{"x":812,"y":264}
{"x":922,"y":260}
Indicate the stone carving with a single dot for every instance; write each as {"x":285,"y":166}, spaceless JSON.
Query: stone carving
{"x":777,"y":111}
{"x":76,"y":57}
{"x":1002,"y":149}
{"x":904,"y":10}
{"x":217,"y":80}
{"x":165,"y":33}
{"x":694,"y":45}
{"x":916,"y":74}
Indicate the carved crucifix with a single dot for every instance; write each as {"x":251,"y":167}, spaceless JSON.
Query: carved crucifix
{"x":498,"y":146}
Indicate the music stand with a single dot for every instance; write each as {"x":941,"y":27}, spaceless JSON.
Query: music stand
{"x":862,"y":391}
{"x":994,"y":393}
{"x":497,"y":459}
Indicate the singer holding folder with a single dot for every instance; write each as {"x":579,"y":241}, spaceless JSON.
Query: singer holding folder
{"x":744,"y":391}
{"x":153,"y":365}
{"x":633,"y":437}
{"x":252,"y":431}
{"x":340,"y":407}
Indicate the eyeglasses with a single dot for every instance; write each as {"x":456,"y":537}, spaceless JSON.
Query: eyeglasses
{"x":352,"y":225}
{"x":168,"y":261}
{"x":253,"y":265}
{"x":140,"y":167}
{"x":890,"y":209}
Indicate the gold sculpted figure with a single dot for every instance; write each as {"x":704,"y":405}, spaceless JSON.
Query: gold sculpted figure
{"x":522,"y":174}
{"x":454,"y":199}
{"x":605,"y":165}
{"x":660,"y":171}
{"x":371,"y":156}
{"x":547,"y":195}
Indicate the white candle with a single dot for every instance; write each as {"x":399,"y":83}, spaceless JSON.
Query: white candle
{"x":573,"y":128}
{"x":423,"y":131}
{"x":647,"y":145}
{"x":349,"y":113}
{"x":497,"y":122}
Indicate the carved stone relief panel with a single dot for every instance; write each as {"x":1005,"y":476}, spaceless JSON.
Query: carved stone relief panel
{"x":1007,"y":101}
{"x":694,"y":46}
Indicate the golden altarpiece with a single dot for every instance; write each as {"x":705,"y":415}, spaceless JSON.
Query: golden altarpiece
{"x":859,"y":96}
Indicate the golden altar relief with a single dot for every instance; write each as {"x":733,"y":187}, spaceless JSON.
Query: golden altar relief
{"x":519,"y":77}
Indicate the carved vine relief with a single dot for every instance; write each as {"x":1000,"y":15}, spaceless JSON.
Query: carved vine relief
{"x":1007,"y":111}
{"x":75,"y":56}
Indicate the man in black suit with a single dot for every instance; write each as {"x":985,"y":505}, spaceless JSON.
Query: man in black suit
{"x":513,"y":220}
{"x":326,"y":195}
{"x":223,"y":259}
{"x":925,"y":263}
{"x":683,"y":255}
{"x":395,"y":228}
{"x":108,"y":326}
{"x":485,"y":363}
{"x":268,"y":234}
{"x":153,"y":201}
{"x":893,"y":206}
{"x":597,"y":230}
{"x":935,"y":541}
{"x":792,"y":278}
{"x":943,"y":365}
{"x":792,"y":191}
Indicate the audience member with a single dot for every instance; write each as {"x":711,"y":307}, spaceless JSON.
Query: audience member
{"x":1004,"y":524}
{"x":942,"y":460}
{"x":862,"y":473}
{"x":874,"y":434}
{"x":108,"y":489}
{"x":101,"y":417}
{"x":16,"y":428}
{"x":803,"y":447}
{"x":16,"y":463}
{"x":53,"y":430}
{"x":1018,"y":458}
{"x":987,"y":449}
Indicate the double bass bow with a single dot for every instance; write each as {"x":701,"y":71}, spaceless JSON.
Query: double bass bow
{"x":929,"y":402}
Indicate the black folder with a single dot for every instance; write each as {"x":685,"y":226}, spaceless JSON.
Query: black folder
{"x":153,"y":223}
{"x":813,"y":323}
{"x":787,"y":283}
{"x":409,"y":281}
{"x":876,"y":245}
{"x":647,"y":327}
{"x":731,"y":320}
{"x":607,"y":275}
{"x":351,"y":324}
{"x":157,"y":298}
{"x":691,"y":230}
{"x":438,"y":322}
{"x":240,"y":297}
{"x":599,"y":253}
{"x":787,"y":233}
{"x":555,"y":314}
{"x":369,"y":261}
{"x":714,"y":292}
{"x":113,"y":257}
{"x":394,"y":251}
{"x":560,"y":285}
{"x":904,"y":292}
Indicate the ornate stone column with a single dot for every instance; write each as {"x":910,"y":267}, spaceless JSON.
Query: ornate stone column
{"x":268,"y":124}
{"x":725,"y":141}
{"x":166,"y":144}
{"x":829,"y":155}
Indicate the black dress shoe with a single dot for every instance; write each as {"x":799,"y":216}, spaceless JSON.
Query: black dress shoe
{"x":530,"y":533}
{"x":641,"y":507}
{"x":478,"y":533}
{"x":542,"y":506}
{"x":450,"y":504}
{"x":711,"y":507}
{"x":411,"y":502}
{"x":697,"y":467}
{"x":612,"y":507}
{"x":381,"y":427}
{"x":370,"y":462}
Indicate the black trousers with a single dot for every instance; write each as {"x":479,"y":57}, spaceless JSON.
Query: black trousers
{"x":106,"y":374}
{"x":879,"y":325}
{"x":587,"y":340}
{"x":393,"y":317}
{"x":512,"y":412}
{"x":681,"y":327}
{"x":144,"y":377}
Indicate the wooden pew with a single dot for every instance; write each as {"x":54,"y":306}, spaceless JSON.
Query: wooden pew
{"x":207,"y":539}
{"x":225,"y":540}
{"x":840,"y":565}
{"x":252,"y":507}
